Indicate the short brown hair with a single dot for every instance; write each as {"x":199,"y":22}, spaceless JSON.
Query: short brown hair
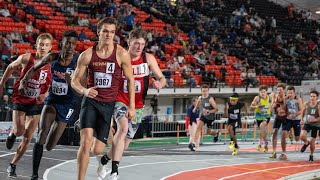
{"x":44,"y":36}
{"x":282,"y":85}
{"x":204,"y":86}
{"x":291,"y":88}
{"x":107,"y":20}
{"x":138,"y":33}
{"x":263,"y":87}
{"x":314,"y":92}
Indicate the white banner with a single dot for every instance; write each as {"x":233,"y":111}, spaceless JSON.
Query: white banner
{"x":5,"y":128}
{"x":306,"y":87}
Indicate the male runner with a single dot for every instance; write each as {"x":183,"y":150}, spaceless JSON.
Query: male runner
{"x":207,"y":108}
{"x":262,"y":105}
{"x":105,"y":63}
{"x":141,"y":64}
{"x":233,"y":113}
{"x":294,"y":107}
{"x":312,"y":122}
{"x":27,"y":105}
{"x":279,"y":107}
{"x":61,"y":102}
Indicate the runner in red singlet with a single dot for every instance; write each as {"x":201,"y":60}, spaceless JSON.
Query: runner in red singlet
{"x":27,"y":105}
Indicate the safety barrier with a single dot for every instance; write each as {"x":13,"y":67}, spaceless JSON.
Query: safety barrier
{"x":170,"y":125}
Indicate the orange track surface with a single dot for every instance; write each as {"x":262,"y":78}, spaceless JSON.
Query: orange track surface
{"x":272,"y":170}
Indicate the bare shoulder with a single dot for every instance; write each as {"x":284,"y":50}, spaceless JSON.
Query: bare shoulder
{"x":121,"y":51}
{"x":150,"y":56}
{"x":86,"y":56}
{"x":22,"y":59}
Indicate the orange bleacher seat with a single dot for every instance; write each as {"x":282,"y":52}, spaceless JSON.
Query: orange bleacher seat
{"x":198,"y":79}
{"x":179,"y":82}
{"x":208,"y":67}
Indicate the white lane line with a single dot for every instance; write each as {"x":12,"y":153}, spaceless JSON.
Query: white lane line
{"x":8,"y":154}
{"x":251,"y":172}
{"x":211,"y":167}
{"x":184,"y":161}
{"x":74,"y":161}
{"x":45,"y":175}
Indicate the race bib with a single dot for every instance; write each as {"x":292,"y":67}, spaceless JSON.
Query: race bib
{"x":42,"y":77}
{"x":137,"y":86}
{"x":102,"y":80}
{"x":206,"y":104}
{"x":110,"y":68}
{"x":140,"y":70}
{"x":233,"y":116}
{"x":291,"y":111}
{"x":310,"y":118}
{"x":70,"y":71}
{"x":59,"y":88}
{"x":30,"y":92}
{"x":264,"y":110}
{"x":236,"y":111}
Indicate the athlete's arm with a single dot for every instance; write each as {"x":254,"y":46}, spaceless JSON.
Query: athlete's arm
{"x":272,"y":97}
{"x":188,"y":118}
{"x":226,"y":115}
{"x":22,"y":60}
{"x":300,"y":104}
{"x":245,"y":108}
{"x":152,"y":62}
{"x":254,"y":104}
{"x":197,"y":104}
{"x":45,"y":60}
{"x":214,"y":105}
{"x":31,"y":72}
{"x":83,"y":81}
{"x":303,"y":112}
{"x":83,"y":61}
{"x":318,"y":119}
{"x":127,"y":71}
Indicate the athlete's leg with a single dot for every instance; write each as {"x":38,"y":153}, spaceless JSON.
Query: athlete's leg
{"x":297,"y":130}
{"x":48,"y":116}
{"x":192,"y":131}
{"x":284,"y":135}
{"x":274,"y":139}
{"x":303,"y":136}
{"x":197,"y":135}
{"x":263,"y":136}
{"x":118,"y":142}
{"x":312,"y":145}
{"x":212,"y":132}
{"x":19,"y":119}
{"x":86,"y":139}
{"x":31,"y":125}
{"x":232,"y":133}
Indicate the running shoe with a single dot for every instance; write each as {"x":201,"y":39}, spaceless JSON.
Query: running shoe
{"x":273,"y":155}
